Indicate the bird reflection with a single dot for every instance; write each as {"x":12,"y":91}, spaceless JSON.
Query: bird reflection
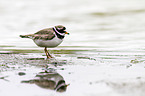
{"x":49,"y":79}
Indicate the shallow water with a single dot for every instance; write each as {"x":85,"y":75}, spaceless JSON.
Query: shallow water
{"x":103,"y":55}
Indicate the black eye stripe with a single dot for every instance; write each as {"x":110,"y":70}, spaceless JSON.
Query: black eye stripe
{"x":61,"y":31}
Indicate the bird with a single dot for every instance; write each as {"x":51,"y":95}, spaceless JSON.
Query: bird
{"x":49,"y":79}
{"x":48,"y":37}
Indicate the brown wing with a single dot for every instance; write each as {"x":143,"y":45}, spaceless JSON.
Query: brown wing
{"x":45,"y":34}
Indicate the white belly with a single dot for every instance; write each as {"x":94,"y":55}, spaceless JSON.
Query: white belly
{"x":48,"y":43}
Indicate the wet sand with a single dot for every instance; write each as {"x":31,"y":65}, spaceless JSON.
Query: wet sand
{"x":86,"y":72}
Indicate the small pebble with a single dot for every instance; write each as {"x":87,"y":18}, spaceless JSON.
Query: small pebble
{"x":21,"y":73}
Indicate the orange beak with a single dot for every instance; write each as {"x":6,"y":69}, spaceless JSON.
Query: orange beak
{"x":67,"y":33}
{"x":67,"y":85}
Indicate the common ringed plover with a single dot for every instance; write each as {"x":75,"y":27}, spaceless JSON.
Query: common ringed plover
{"x":48,"y":38}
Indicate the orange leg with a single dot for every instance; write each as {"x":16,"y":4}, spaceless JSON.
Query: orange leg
{"x":47,"y":53}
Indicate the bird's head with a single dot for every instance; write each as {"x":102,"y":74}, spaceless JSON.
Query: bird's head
{"x":61,"y":29}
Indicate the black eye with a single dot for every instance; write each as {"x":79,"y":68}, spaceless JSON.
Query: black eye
{"x":64,"y":28}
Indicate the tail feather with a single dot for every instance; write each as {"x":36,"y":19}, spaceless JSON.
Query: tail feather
{"x":26,"y":36}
